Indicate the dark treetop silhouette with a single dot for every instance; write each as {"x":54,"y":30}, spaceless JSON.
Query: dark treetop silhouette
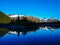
{"x":5,"y":20}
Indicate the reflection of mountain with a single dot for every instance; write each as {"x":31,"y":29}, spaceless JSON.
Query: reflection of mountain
{"x":50,"y":28}
{"x":3,"y":31}
{"x":53,"y":28}
{"x":22,"y":30}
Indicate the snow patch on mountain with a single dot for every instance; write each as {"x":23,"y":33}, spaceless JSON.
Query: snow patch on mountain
{"x":15,"y":15}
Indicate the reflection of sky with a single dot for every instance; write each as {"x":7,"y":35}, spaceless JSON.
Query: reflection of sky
{"x":39,"y":8}
{"x":38,"y":37}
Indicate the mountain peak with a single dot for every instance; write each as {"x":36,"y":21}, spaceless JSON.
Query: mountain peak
{"x":15,"y":15}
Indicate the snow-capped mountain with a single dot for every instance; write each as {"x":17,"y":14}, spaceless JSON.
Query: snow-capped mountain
{"x":52,"y":20}
{"x":31,"y":18}
{"x":15,"y":15}
{"x":44,"y":20}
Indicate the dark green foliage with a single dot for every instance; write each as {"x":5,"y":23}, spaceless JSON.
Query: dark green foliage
{"x":4,"y":19}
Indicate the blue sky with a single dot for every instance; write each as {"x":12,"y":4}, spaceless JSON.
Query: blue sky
{"x":38,"y":8}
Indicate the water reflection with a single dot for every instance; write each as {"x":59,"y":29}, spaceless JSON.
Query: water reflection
{"x":52,"y":28}
{"x":24,"y":30}
{"x":3,"y":31}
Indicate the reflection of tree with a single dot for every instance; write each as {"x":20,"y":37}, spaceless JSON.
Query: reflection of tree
{"x":54,"y":27}
{"x":24,"y":30}
{"x":30,"y":29}
{"x":3,"y":31}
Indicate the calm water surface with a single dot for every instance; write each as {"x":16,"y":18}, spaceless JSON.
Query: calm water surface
{"x":41,"y":36}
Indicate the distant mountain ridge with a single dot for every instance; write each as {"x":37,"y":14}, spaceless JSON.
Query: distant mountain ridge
{"x":31,"y":18}
{"x":35,"y":18}
{"x":52,"y":20}
{"x":7,"y":18}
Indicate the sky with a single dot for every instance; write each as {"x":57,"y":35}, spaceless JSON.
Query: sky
{"x":37,"y":8}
